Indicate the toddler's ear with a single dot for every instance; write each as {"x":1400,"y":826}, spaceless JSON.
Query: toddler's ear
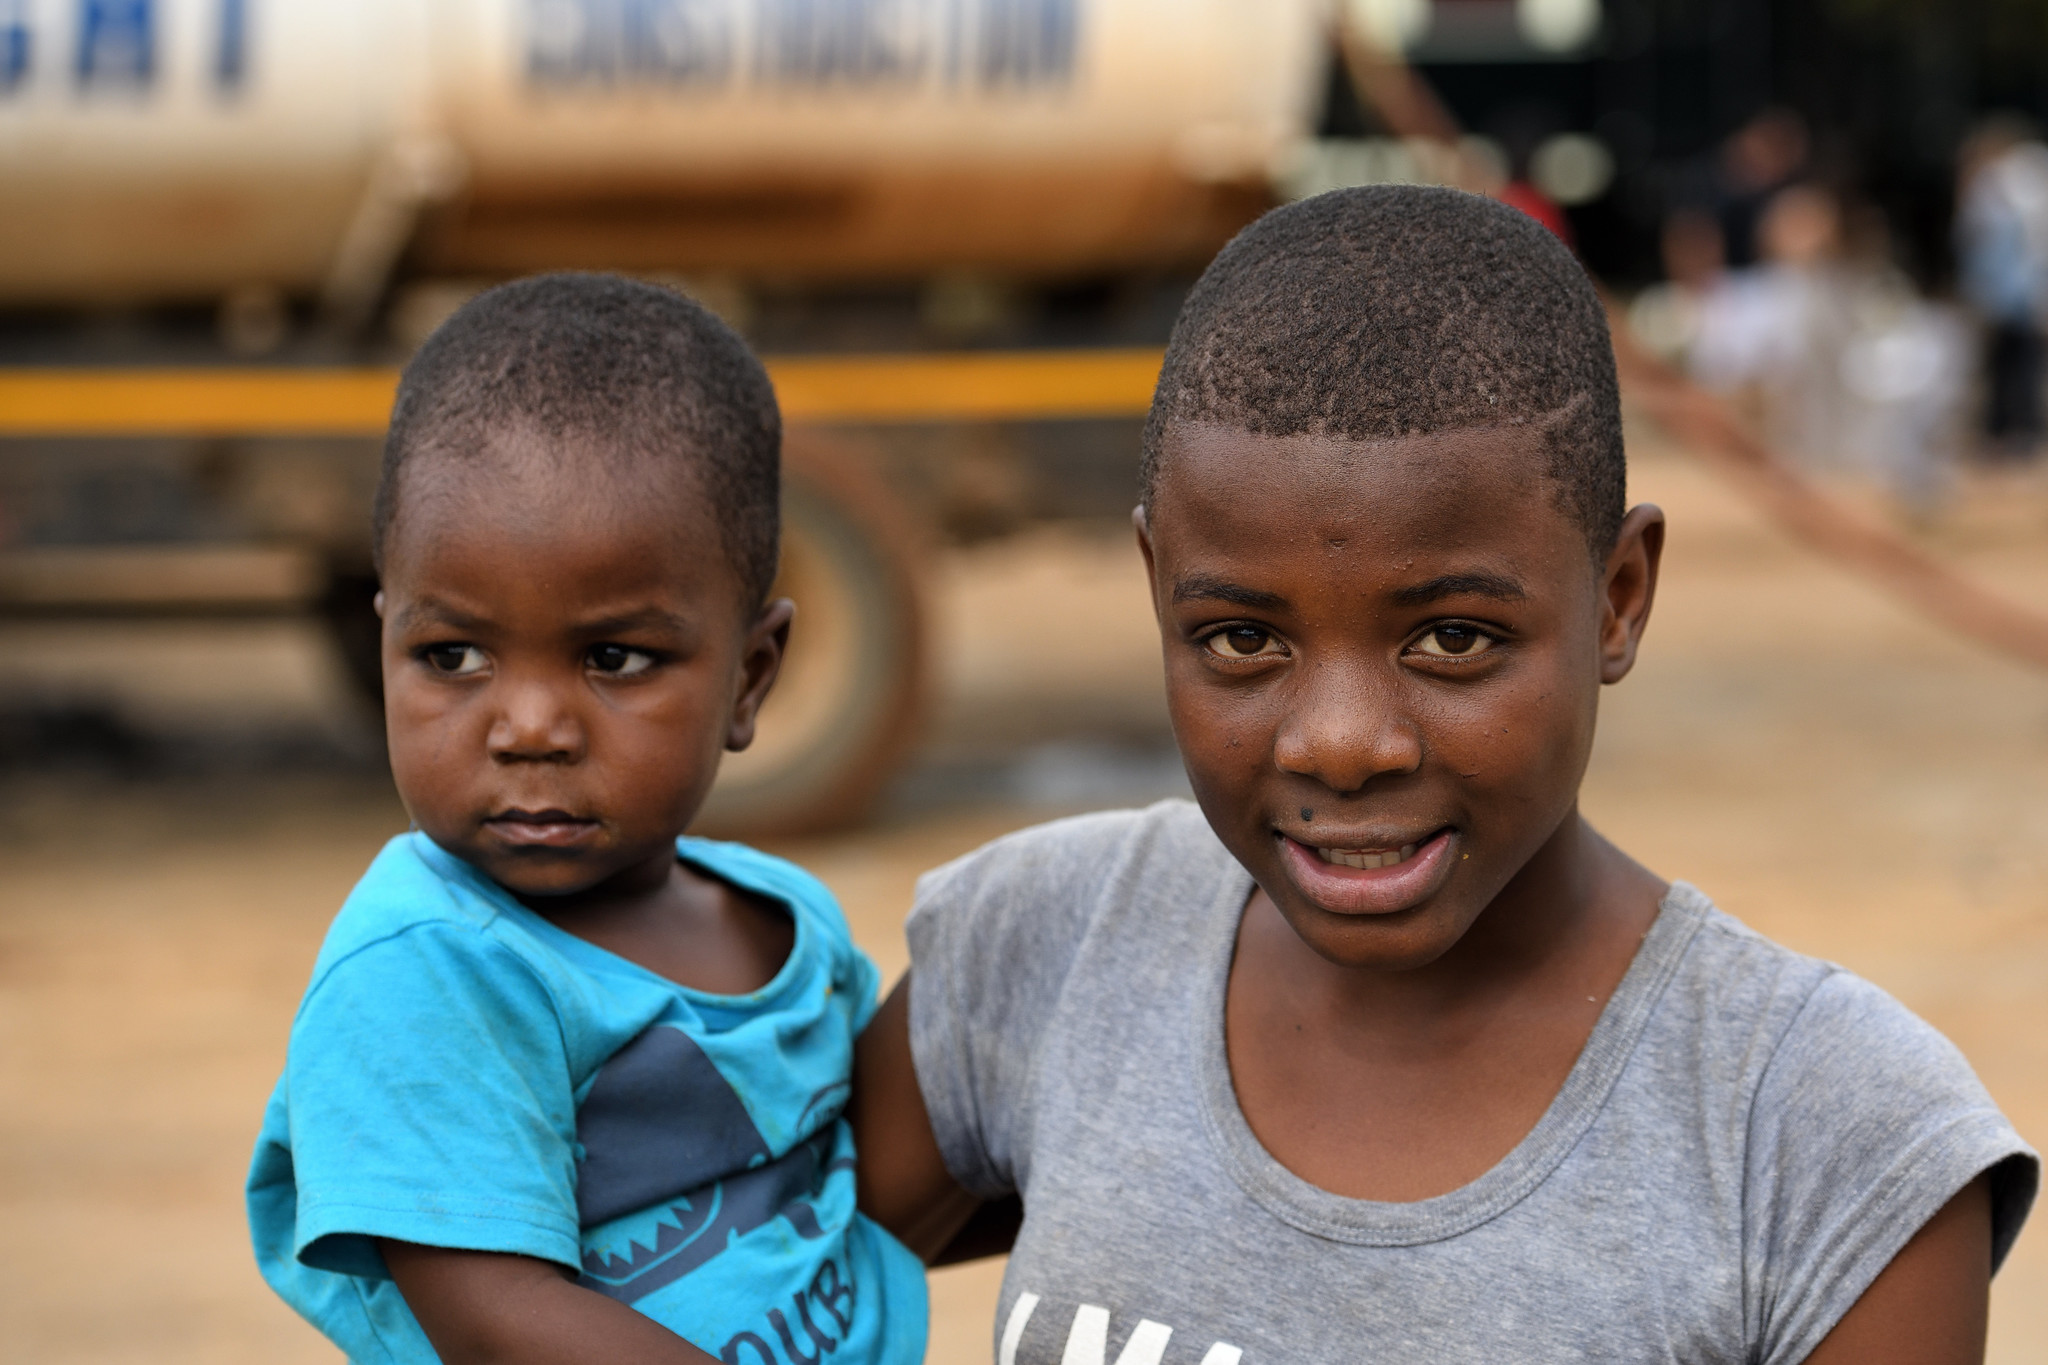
{"x":378,"y":603}
{"x":1628,"y":587}
{"x":761,"y":660}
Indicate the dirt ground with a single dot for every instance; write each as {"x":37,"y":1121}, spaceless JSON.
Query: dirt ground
{"x":1835,"y":771}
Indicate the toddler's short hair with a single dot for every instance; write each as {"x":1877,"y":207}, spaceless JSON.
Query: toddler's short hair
{"x":1399,"y":310}
{"x":643,"y":371}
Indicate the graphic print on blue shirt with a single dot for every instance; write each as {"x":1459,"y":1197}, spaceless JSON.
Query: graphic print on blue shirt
{"x":673,"y":1161}
{"x":462,"y":1073}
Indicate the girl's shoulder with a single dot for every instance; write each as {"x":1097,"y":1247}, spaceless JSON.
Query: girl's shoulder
{"x":1833,"y":1092}
{"x":1747,"y":1003}
{"x":1744,"y":1012}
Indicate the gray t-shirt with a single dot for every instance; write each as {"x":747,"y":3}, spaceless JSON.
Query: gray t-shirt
{"x":1747,"y":1139}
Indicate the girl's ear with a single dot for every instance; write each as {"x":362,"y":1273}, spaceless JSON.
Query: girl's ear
{"x":1627,"y":589}
{"x":760,"y":662}
{"x":1141,"y":522}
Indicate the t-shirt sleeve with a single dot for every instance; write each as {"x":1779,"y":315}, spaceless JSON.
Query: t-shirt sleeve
{"x":429,"y":1100}
{"x":992,"y":937}
{"x":1866,"y":1122}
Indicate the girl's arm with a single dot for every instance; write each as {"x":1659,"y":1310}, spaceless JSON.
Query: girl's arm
{"x":1929,"y":1306}
{"x":903,"y":1181}
{"x":482,"y":1308}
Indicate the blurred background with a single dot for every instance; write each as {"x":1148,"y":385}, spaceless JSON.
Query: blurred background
{"x":959,"y":230}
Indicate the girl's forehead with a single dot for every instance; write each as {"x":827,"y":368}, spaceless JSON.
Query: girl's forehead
{"x":1228,"y":488}
{"x":1211,"y":456}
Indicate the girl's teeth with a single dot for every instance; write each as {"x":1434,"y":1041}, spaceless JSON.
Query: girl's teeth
{"x":1363,"y":860}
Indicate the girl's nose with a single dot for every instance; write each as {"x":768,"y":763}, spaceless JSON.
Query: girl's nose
{"x":1346,"y":732}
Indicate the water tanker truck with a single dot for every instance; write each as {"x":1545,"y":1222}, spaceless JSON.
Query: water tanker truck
{"x":222,"y":222}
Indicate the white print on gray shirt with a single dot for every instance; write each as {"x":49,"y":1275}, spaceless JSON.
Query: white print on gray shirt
{"x":1088,"y":1341}
{"x":1747,"y":1139}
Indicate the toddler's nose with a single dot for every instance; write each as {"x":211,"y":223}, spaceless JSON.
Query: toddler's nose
{"x":535,"y":724}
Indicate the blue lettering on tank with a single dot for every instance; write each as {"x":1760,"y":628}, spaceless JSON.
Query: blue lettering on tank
{"x":1026,"y":42}
{"x":15,"y":45}
{"x":116,"y":43}
{"x":817,"y":44}
{"x":841,"y":42}
{"x":231,"y":46}
{"x":609,"y":42}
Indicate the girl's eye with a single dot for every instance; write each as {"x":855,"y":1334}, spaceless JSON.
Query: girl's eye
{"x":1453,"y":641}
{"x":620,"y":662}
{"x":456,"y":661}
{"x":1243,"y":642}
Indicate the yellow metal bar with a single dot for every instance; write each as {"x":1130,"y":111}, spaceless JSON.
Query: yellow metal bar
{"x":210,"y":402}
{"x":991,"y":386}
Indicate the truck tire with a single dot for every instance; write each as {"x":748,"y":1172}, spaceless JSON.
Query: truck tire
{"x":845,"y":708}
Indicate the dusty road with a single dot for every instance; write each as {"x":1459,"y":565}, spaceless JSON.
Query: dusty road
{"x":1839,"y":774}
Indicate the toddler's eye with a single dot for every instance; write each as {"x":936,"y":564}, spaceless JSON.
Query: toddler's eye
{"x":1453,"y":641}
{"x":619,"y":661}
{"x":1243,"y":642}
{"x":454,"y":660}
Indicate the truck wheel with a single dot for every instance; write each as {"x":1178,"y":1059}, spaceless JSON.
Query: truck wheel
{"x":845,"y":708}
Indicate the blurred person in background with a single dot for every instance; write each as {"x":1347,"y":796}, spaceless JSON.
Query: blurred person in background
{"x":1769,"y":334}
{"x":1666,"y":316}
{"x":1761,"y":158}
{"x":1904,"y":370}
{"x":1715,"y":313}
{"x":2002,"y":271}
{"x":1825,"y":341}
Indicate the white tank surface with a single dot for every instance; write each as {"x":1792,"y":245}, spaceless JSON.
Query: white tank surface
{"x":164,"y":149}
{"x":156,"y":149}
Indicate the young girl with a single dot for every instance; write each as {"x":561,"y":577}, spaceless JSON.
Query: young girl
{"x":1379,"y":1051}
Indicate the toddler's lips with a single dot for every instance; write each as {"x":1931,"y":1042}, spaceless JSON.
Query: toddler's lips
{"x":542,"y":829}
{"x":1370,"y":881}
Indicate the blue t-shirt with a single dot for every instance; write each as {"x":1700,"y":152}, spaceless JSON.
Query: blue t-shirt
{"x":463,"y":1073}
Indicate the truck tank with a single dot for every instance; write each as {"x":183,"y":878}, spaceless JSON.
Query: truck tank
{"x":157,"y":150}
{"x":283,"y":161}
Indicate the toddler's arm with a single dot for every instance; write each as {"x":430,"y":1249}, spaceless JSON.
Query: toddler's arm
{"x":904,"y":1183}
{"x":483,"y":1308}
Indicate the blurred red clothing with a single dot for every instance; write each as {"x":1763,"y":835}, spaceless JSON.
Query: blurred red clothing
{"x":1538,"y":205}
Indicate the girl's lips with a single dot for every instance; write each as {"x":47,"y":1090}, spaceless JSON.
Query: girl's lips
{"x":546,"y":829}
{"x":1346,"y":890}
